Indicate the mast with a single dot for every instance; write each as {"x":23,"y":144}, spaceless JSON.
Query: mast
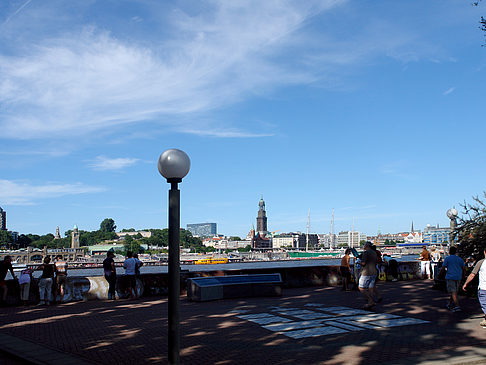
{"x":307,"y":235}
{"x":352,"y":235}
{"x":331,"y":242}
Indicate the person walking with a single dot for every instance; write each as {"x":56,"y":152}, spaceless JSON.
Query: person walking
{"x":5,"y":267}
{"x":454,"y":274}
{"x":25,"y":279}
{"x":435,"y":256}
{"x":345,"y":270}
{"x":367,"y":279}
{"x":61,"y":278}
{"x":46,"y":280}
{"x":479,"y":268}
{"x":110,"y":274}
{"x":130,"y":265}
{"x":425,"y":263}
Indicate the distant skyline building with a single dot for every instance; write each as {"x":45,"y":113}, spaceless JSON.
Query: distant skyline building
{"x":350,"y":238}
{"x":58,"y":234}
{"x":203,"y":229}
{"x":262,"y":218}
{"x":436,"y":235}
{"x":75,"y":237}
{"x":261,"y":240}
{"x":3,"y":219}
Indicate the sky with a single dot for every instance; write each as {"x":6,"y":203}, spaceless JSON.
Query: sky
{"x":374,"y":109}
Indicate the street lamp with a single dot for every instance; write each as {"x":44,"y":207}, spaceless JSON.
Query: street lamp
{"x":174,"y":164}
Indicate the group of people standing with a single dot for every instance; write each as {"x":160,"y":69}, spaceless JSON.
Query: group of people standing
{"x":54,"y":276}
{"x":430,"y":263}
{"x":366,"y":271}
{"x":53,"y":279}
{"x":132,"y":267}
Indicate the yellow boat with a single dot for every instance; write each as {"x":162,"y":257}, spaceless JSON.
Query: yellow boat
{"x":210,"y":261}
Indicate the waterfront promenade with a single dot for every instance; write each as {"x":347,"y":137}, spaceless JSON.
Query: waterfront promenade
{"x":313,"y":325}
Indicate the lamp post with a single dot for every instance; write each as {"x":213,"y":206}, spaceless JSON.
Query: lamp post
{"x":174,"y":164}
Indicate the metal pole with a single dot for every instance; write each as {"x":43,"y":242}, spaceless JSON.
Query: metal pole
{"x":174,"y":273}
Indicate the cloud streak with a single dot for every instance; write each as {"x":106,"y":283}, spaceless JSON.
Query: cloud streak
{"x":24,"y":193}
{"x":85,"y":79}
{"x":103,"y":163}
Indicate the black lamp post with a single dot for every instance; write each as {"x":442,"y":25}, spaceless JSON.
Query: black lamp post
{"x":174,"y":164}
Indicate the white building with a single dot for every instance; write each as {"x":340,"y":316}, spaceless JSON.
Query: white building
{"x":350,"y":238}
{"x":327,"y":240}
{"x":283,"y":240}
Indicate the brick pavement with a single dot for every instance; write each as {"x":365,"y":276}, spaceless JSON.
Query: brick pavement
{"x":412,"y":327}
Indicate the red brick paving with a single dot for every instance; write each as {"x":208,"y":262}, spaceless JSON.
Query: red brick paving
{"x":128,"y":332}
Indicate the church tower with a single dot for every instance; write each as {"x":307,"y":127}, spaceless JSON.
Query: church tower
{"x":262,"y":218}
{"x":58,"y":234}
{"x":75,"y":237}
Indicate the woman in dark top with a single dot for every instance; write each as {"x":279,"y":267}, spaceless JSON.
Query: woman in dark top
{"x":110,"y":274}
{"x":45,"y":282}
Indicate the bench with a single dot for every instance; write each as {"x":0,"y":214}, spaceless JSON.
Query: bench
{"x":233,"y":286}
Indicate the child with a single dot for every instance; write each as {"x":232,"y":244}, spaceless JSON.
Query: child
{"x":24,"y":281}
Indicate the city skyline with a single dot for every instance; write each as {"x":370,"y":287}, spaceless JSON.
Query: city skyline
{"x":291,"y":100}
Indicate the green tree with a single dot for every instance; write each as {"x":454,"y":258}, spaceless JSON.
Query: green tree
{"x":235,"y":238}
{"x":108,"y":225}
{"x":471,"y":228}
{"x":6,"y":239}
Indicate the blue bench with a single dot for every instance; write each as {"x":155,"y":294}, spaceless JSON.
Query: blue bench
{"x":233,"y":286}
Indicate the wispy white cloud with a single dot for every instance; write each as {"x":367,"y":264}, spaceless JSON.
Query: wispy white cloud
{"x":106,"y":163}
{"x":227,"y":133}
{"x":16,"y":11}
{"x":85,"y":79}
{"x":24,"y":193}
{"x":401,"y":169}
{"x":448,"y":91}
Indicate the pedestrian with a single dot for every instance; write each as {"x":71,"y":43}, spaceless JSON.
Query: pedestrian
{"x":5,"y":267}
{"x":110,"y":274}
{"x":435,"y":257}
{"x":130,"y":271}
{"x":61,"y":278}
{"x":425,"y":263}
{"x":25,"y":279}
{"x":455,"y":272}
{"x":480,"y":269}
{"x":392,"y":266}
{"x":380,"y":273}
{"x":138,"y":264}
{"x":345,"y":269}
{"x":367,"y":279}
{"x":46,"y":280}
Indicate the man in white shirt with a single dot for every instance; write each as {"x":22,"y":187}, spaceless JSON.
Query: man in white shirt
{"x":130,"y":265}
{"x":481,"y":269}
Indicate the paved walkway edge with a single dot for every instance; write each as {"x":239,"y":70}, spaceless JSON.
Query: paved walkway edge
{"x":33,"y":353}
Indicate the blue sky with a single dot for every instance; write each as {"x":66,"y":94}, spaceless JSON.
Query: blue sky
{"x":372,"y":108}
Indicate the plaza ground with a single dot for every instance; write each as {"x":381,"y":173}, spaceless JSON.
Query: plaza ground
{"x":313,"y":325}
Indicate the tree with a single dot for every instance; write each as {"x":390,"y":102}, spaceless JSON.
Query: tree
{"x":108,"y":225}
{"x":471,"y":228}
{"x":482,"y":22}
{"x":6,"y":238}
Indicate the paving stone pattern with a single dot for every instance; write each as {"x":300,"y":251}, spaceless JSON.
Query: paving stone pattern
{"x":315,"y":325}
{"x":324,"y":321}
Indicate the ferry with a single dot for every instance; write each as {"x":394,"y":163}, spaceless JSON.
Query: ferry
{"x":211,"y":261}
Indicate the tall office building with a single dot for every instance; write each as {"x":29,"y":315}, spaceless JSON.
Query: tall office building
{"x":203,"y":229}
{"x":3,"y":220}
